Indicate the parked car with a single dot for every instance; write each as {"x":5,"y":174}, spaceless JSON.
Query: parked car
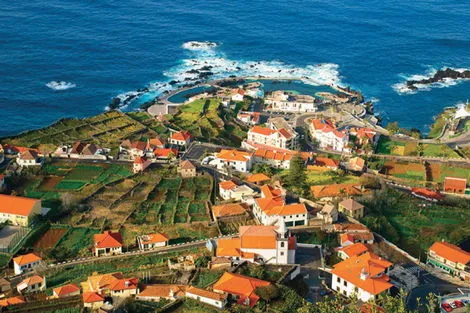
{"x":466,"y":301}
{"x":452,"y":305}
{"x":446,"y":307}
{"x":459,"y":304}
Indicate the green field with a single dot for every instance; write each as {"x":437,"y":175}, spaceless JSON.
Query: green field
{"x":439,"y":150}
{"x":386,"y":145}
{"x":78,"y":241}
{"x":454,"y":171}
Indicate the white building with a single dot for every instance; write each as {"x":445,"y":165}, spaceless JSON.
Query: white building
{"x":363,"y":276}
{"x":328,"y":214}
{"x":230,"y":190}
{"x":29,"y":158}
{"x":277,"y":158}
{"x":328,"y":137}
{"x":25,"y":263}
{"x":250,"y":118}
{"x":258,"y":243}
{"x":271,"y":208}
{"x":240,"y":161}
{"x":285,"y":102}
{"x":282,"y":138}
{"x":238,"y":94}
{"x":182,"y":138}
{"x":219,"y":300}
{"x":107,"y":243}
{"x":31,"y":284}
{"x":151,"y":241}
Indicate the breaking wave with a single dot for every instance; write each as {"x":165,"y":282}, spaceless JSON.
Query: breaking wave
{"x":205,"y":62}
{"x":60,"y":85}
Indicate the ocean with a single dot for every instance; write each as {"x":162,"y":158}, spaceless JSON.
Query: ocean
{"x":107,"y":48}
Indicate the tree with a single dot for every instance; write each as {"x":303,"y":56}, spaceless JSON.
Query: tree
{"x":202,"y":261}
{"x":420,"y":149}
{"x":263,"y":168}
{"x":267,"y":293}
{"x":393,"y":127}
{"x":296,"y":177}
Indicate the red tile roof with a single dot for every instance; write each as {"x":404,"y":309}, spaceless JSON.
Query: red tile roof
{"x":354,"y":249}
{"x":233,"y":155}
{"x":155,"y":238}
{"x":423,"y":192}
{"x":206,"y":293}
{"x":331,"y":163}
{"x":108,"y":240}
{"x":90,"y":297}
{"x":181,"y":136}
{"x":257,"y":178}
{"x":165,"y":152}
{"x":11,"y":301}
{"x":227,"y":185}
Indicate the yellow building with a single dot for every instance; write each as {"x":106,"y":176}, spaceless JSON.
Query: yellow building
{"x":18,"y":210}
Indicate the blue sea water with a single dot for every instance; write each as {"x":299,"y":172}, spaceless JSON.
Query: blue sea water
{"x":108,"y":47}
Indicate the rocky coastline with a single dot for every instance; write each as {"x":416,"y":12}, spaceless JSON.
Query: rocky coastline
{"x":440,"y":76}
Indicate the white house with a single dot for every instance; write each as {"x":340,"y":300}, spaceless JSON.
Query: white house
{"x":25,"y":263}
{"x":140,"y":164}
{"x":259,"y":243}
{"x":233,"y":159}
{"x":136,"y":148}
{"x":286,"y":102}
{"x":271,"y":208}
{"x":219,"y":300}
{"x":29,"y":158}
{"x":250,"y":118}
{"x":112,"y":284}
{"x":155,"y":293}
{"x":328,"y":214}
{"x":182,"y":138}
{"x":363,"y":276}
{"x":228,"y":189}
{"x":281,"y":138}
{"x":238,"y":94}
{"x":33,"y":283}
{"x":64,"y":291}
{"x":152,"y":241}
{"x":18,"y":210}
{"x":328,"y":137}
{"x":107,"y":243}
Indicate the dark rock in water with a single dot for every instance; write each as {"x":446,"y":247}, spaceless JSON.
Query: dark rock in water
{"x":204,"y":75}
{"x":252,"y":66}
{"x":238,"y":68}
{"x":115,"y":103}
{"x":192,"y":71}
{"x":232,"y":76}
{"x":439,"y":76}
{"x":145,"y":89}
{"x":173,"y":82}
{"x":206,"y":68}
{"x":187,"y":79}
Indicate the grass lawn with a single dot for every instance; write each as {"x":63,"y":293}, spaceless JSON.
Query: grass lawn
{"x":439,"y":150}
{"x":394,"y":147}
{"x":206,"y":277}
{"x":326,"y":178}
{"x":78,"y":240}
{"x":454,"y":171}
{"x":4,"y":259}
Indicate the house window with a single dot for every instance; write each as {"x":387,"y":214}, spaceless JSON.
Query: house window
{"x":282,"y":253}
{"x":282,"y":244}
{"x":356,"y":290}
{"x":337,"y":288}
{"x":338,"y":280}
{"x":345,"y":283}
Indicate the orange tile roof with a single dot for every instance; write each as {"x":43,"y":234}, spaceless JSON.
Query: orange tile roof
{"x":187,"y":165}
{"x":455,"y":183}
{"x":354,"y":249}
{"x":243,"y":286}
{"x":26,"y":259}
{"x":357,"y":163}
{"x":350,"y":227}
{"x":35,"y":279}
{"x":17,"y":205}
{"x":289,"y":209}
{"x":270,"y":192}
{"x":228,"y":247}
{"x":29,"y":155}
{"x":124,"y":284}
{"x":273,"y":154}
{"x":230,"y":209}
{"x":108,"y":240}
{"x":227,"y":185}
{"x":90,"y":297}
{"x":156,"y":142}
{"x":207,"y":294}
{"x":163,"y":290}
{"x":265,"y":131}
{"x":258,"y":237}
{"x":332,"y":163}
{"x":154,"y":238}
{"x":374,"y":282}
{"x":450,"y":252}
{"x":140,"y":160}
{"x":267,"y":204}
{"x":66,"y":289}
{"x":334,"y":190}
{"x":181,"y":136}
{"x":346,"y":237}
{"x":427,"y":193}
{"x":327,"y":126}
{"x":351,"y":205}
{"x":11,"y":301}
{"x":165,"y":152}
{"x":139,"y":145}
{"x":233,"y":155}
{"x":257,"y":178}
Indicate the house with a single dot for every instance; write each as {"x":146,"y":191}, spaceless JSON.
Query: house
{"x":29,"y":158}
{"x":25,"y":263}
{"x":140,"y":164}
{"x":363,"y":276}
{"x":258,"y":179}
{"x":238,"y":94}
{"x":165,"y":153}
{"x":136,"y":148}
{"x":259,"y":243}
{"x":33,"y":283}
{"x":328,"y":214}
{"x":450,"y":258}
{"x":356,"y":164}
{"x":228,"y":210}
{"x":11,"y":301}
{"x":352,"y":237}
{"x":324,"y":164}
{"x":217,"y":299}
{"x":92,"y":300}
{"x":277,"y":138}
{"x":282,"y":101}
{"x":328,"y":136}
{"x":113,"y":284}
{"x":426,"y":194}
{"x":240,"y":161}
{"x":272,"y":208}
{"x":156,"y":143}
{"x":219,"y":263}
{"x":64,"y":291}
{"x":81,"y":150}
{"x":455,"y":185}
{"x":5,"y":287}
{"x":277,"y":158}
{"x":351,"y":208}
{"x":107,"y":243}
{"x":187,"y":169}
{"x":152,"y":241}
{"x":181,"y":138}
{"x":155,"y":293}
{"x":241,"y":288}
{"x":329,"y":192}
{"x":228,"y":189}
{"x":352,"y":250}
{"x":250,"y":118}
{"x":18,"y":210}
{"x":364,"y":136}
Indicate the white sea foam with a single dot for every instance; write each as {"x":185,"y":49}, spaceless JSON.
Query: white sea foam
{"x":60,"y":85}
{"x":402,"y":87}
{"x":205,"y":62}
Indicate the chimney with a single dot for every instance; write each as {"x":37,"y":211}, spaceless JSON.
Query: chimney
{"x":364,"y":274}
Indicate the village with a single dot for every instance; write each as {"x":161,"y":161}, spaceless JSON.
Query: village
{"x":235,"y":197}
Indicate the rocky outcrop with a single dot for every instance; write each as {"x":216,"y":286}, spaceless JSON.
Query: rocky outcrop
{"x":439,"y":76}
